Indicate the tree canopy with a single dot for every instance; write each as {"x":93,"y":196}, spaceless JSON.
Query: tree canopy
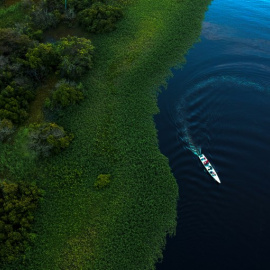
{"x":18,"y":201}
{"x":100,"y":18}
{"x":48,"y":138}
{"x":76,"y":56}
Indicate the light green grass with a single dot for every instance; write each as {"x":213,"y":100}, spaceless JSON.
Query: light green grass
{"x":124,"y":226}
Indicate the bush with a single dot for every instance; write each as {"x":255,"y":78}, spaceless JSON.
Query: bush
{"x":27,"y":4}
{"x":12,"y":42}
{"x":41,"y":59}
{"x":42,"y":18}
{"x":102,"y":181}
{"x":70,"y":15}
{"x":100,"y":18}
{"x":79,"y":5}
{"x":15,"y":87}
{"x":48,"y":138}
{"x":5,"y":74}
{"x":52,"y":5}
{"x":76,"y":56}
{"x":12,"y":71}
{"x":76,"y":5}
{"x":14,"y":102}
{"x":26,"y":29}
{"x":65,"y":94}
{"x":6,"y":129}
{"x":17,"y":204}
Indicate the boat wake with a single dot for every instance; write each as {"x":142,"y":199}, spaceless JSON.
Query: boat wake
{"x":189,"y":143}
{"x":184,"y":130}
{"x":185,"y":126}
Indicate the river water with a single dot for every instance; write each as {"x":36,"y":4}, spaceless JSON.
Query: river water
{"x":219,"y":104}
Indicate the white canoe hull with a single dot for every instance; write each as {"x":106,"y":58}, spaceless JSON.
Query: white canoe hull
{"x":207,"y":165}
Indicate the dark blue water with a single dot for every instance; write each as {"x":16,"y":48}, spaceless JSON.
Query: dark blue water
{"x":220,"y":103}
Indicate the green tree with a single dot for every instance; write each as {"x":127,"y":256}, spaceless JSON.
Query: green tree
{"x":102,"y":181}
{"x":48,"y":138}
{"x":79,"y":5}
{"x":65,"y":94}
{"x":6,"y":129}
{"x":76,"y":56}
{"x":100,"y":18}
{"x":13,"y":43}
{"x":18,"y":202}
{"x":41,"y":59}
{"x":44,"y":17}
{"x":14,"y":102}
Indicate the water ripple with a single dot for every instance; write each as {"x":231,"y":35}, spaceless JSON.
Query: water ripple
{"x":219,"y":104}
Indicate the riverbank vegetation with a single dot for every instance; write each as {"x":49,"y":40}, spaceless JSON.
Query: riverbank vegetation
{"x":110,"y":198}
{"x":17,"y":204}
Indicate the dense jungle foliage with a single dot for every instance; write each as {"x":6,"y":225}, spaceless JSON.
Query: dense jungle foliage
{"x":18,"y":201}
{"x":110,"y":198}
{"x":25,"y":63}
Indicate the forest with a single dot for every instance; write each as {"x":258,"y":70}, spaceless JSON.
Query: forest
{"x":83,"y":184}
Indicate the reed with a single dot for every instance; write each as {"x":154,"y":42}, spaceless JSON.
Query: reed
{"x":123,"y":226}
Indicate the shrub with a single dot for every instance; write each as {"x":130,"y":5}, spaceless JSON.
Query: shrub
{"x":79,"y":5}
{"x":6,"y":129}
{"x":27,"y":4}
{"x":65,"y":94}
{"x":48,"y":138}
{"x":52,"y":5}
{"x":102,"y":181}
{"x":17,"y":204}
{"x":12,"y":70}
{"x":26,"y":29}
{"x":70,"y":14}
{"x":76,"y":56}
{"x":41,"y":59}
{"x":14,"y":102}
{"x":5,"y":74}
{"x":42,"y":18}
{"x":100,"y":18}
{"x":12,"y":42}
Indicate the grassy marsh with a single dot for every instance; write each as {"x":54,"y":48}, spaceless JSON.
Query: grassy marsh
{"x":123,"y":226}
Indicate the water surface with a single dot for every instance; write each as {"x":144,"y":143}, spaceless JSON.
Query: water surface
{"x":219,"y":103}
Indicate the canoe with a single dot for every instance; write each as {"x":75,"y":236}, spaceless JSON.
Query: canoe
{"x":207,"y":165}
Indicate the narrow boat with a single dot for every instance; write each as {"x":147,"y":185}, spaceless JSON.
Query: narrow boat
{"x":207,"y":165}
